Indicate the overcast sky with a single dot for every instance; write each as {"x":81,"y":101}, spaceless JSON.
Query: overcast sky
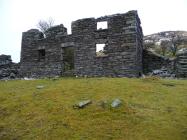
{"x":17,"y":16}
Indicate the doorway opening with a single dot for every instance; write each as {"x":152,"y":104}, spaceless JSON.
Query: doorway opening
{"x":68,"y":58}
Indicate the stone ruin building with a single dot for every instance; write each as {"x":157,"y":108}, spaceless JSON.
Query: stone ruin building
{"x":58,"y":53}
{"x":114,"y":49}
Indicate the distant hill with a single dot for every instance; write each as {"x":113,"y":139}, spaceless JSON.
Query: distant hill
{"x":153,"y":42}
{"x":157,"y":37}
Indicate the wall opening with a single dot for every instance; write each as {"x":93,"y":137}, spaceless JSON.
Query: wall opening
{"x":102,"y":25}
{"x":68,"y":58}
{"x":41,"y":36}
{"x":41,"y":54}
{"x":100,"y":49}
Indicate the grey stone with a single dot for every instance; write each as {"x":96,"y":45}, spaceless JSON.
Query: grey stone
{"x":8,"y":69}
{"x":162,"y":73}
{"x":82,"y":104}
{"x":39,"y":86}
{"x":12,"y":75}
{"x":153,"y":62}
{"x":26,"y":78}
{"x":181,"y":64}
{"x":116,"y":103}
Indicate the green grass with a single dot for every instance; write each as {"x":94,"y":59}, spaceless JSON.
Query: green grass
{"x":152,"y":109}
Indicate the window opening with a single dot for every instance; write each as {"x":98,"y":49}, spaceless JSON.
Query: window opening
{"x":100,"y":49}
{"x":41,"y":54}
{"x":102,"y":25}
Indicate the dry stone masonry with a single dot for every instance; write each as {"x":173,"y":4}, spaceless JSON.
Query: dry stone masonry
{"x":59,"y":54}
{"x":8,"y":69}
{"x":181,"y":64}
{"x":153,"y":61}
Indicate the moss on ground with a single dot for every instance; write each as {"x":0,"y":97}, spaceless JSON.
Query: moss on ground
{"x":152,"y":109}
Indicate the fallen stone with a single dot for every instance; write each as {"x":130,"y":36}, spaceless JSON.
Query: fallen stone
{"x":12,"y":76}
{"x":25,"y":78}
{"x":162,"y":73}
{"x":40,"y":87}
{"x":82,"y":104}
{"x":102,"y":104}
{"x":54,"y":79}
{"x":116,"y":103}
{"x":143,"y":76}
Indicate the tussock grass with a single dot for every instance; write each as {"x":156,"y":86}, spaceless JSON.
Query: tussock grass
{"x":152,"y":109}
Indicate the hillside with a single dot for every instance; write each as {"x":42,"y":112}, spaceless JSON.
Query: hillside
{"x":152,"y":109}
{"x":158,"y":37}
{"x":153,"y":42}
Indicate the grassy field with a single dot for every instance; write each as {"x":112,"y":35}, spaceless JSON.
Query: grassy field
{"x":152,"y":109}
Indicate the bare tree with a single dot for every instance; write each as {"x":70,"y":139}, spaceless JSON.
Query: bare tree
{"x":148,"y":45}
{"x":164,"y":46}
{"x":175,"y":42}
{"x":43,"y":25}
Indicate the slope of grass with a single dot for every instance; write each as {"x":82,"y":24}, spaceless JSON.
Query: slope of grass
{"x":152,"y":109}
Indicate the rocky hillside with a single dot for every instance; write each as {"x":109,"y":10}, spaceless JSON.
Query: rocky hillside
{"x":154,"y":41}
{"x":167,"y":35}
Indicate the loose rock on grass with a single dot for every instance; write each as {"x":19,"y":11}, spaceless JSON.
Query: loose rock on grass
{"x":40,"y":87}
{"x":116,"y":103}
{"x":82,"y":104}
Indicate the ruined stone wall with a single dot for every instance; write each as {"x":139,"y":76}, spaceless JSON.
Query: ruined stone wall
{"x":181,"y":64}
{"x":152,"y":61}
{"x":123,"y":48}
{"x":32,"y":43}
{"x":5,"y":59}
{"x":8,"y":69}
{"x":123,"y":39}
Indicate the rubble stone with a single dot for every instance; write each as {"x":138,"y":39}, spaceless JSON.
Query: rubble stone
{"x":8,"y":69}
{"x":82,"y":104}
{"x":116,"y":103}
{"x":153,"y":62}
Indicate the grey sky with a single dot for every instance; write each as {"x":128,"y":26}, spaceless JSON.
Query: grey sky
{"x":17,"y":16}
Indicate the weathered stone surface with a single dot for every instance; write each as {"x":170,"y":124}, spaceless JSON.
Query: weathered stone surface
{"x":116,"y":103}
{"x":8,"y":69}
{"x":181,"y":64}
{"x":54,"y":31}
{"x":123,"y":39}
{"x":82,"y":104}
{"x":5,"y":59}
{"x":153,"y":62}
{"x":40,"y":86}
{"x":12,"y":75}
{"x":163,"y":73}
{"x":25,"y":78}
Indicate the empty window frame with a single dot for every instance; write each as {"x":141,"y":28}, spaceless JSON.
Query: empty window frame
{"x":100,"y":49}
{"x":102,"y":25}
{"x":41,"y":54}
